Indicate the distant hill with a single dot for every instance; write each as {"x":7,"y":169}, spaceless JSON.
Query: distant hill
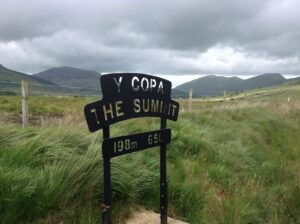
{"x":14,"y":76}
{"x":82,"y":82}
{"x":68,"y":76}
{"x":178,"y":94}
{"x":294,"y":80}
{"x":10,"y":82}
{"x":264,"y":80}
{"x":211,"y":85}
{"x":215,"y":85}
{"x":53,"y":83}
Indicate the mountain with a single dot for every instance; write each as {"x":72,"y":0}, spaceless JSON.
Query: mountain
{"x":294,"y":80}
{"x":215,"y":85}
{"x":264,"y":80}
{"x":68,"y":76}
{"x":178,"y":93}
{"x":211,"y":85}
{"x":14,"y":76}
{"x":10,"y":82}
{"x":74,"y":81}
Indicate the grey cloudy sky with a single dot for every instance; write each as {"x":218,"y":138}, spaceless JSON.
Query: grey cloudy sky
{"x":242,"y":37}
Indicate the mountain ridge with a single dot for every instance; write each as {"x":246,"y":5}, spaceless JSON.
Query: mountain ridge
{"x":88,"y":81}
{"x":10,"y":82}
{"x":10,"y":75}
{"x":213,"y":85}
{"x":70,"y":76}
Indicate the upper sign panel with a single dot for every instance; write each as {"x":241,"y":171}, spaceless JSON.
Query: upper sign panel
{"x":130,"y":95}
{"x":133,"y":84}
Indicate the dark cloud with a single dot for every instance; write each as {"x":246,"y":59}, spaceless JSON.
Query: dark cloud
{"x":174,"y":37}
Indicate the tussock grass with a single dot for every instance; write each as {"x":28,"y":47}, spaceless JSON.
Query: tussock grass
{"x":57,"y":171}
{"x":229,"y":162}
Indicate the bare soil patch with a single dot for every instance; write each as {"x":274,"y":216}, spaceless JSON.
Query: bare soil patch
{"x":149,"y":217}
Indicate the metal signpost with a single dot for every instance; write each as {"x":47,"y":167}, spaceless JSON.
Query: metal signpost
{"x":125,"y":96}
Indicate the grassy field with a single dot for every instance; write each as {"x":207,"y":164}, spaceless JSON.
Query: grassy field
{"x":229,"y":162}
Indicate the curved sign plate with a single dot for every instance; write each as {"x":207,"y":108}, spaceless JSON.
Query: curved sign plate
{"x":131,"y":95}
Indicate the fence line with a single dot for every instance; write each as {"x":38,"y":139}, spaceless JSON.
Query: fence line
{"x":64,"y":87}
{"x":60,"y":94}
{"x":34,"y":93}
{"x":3,"y":81}
{"x":15,"y":88}
{"x":50,"y":85}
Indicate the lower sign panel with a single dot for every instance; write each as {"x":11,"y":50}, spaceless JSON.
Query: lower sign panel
{"x":118,"y":146}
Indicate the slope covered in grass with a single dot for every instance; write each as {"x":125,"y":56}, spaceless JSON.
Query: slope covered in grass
{"x":229,"y":162}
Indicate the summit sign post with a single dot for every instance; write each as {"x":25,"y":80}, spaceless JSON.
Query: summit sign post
{"x":125,"y":96}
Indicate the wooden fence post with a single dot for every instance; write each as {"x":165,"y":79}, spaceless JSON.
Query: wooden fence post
{"x":25,"y":115}
{"x":190,"y":100}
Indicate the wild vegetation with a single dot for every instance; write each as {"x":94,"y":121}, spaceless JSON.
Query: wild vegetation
{"x":229,"y":162}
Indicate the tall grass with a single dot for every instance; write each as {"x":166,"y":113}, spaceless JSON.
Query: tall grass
{"x":229,"y":162}
{"x":57,"y":169}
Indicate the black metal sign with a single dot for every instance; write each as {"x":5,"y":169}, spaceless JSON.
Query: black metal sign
{"x":130,"y":96}
{"x":125,"y":96}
